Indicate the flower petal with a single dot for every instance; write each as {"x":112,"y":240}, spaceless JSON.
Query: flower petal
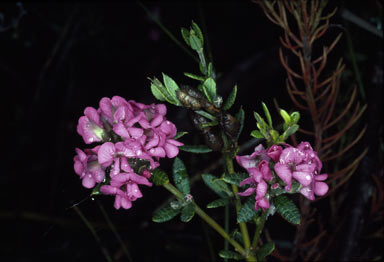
{"x":303,"y":178}
{"x":247,"y":192}
{"x":171,"y":150}
{"x":320,"y":188}
{"x":106,"y":154}
{"x":284,"y":172}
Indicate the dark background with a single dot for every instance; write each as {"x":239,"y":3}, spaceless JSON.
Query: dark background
{"x":59,"y":58}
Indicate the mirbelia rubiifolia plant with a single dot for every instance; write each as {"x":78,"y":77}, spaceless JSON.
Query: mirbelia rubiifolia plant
{"x":315,"y":89}
{"x":129,"y":140}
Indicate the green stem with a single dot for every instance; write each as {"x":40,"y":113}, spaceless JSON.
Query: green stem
{"x":235,"y":190}
{"x":260,"y":221}
{"x":212,"y":223}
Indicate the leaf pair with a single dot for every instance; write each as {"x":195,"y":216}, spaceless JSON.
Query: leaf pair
{"x":166,"y":92}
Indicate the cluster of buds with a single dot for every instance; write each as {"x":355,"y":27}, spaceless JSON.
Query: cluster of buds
{"x":278,"y":168}
{"x":131,"y":138}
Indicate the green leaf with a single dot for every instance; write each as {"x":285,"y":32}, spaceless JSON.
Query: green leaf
{"x":218,"y":203}
{"x":235,"y":178}
{"x":295,"y":117}
{"x":211,"y":73}
{"x":230,"y":255}
{"x":285,"y":116}
{"x":267,"y":114}
{"x":260,"y":121}
{"x":265,"y":251}
{"x":197,"y":149}
{"x":159,"y":177}
{"x":193,"y":76}
{"x":172,"y":88}
{"x":257,"y":134}
{"x":160,"y":92}
{"x":209,"y":124}
{"x":198,"y":32}
{"x":217,"y":185}
{"x":195,"y":42}
{"x":290,"y":131}
{"x":206,"y":115}
{"x":187,"y":212}
{"x":164,"y":214}
{"x":240,"y":117}
{"x":247,"y":211}
{"x":209,"y":89}
{"x":231,"y":99}
{"x":180,"y":134}
{"x":185,"y":34}
{"x":96,"y":190}
{"x":287,"y":209}
{"x":180,"y":176}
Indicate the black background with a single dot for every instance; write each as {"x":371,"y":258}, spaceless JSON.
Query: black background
{"x":62,"y":57}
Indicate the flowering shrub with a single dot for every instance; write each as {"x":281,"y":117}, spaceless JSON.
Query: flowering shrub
{"x":133,"y":138}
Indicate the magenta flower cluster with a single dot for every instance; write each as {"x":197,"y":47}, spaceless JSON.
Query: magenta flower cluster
{"x":290,"y":164}
{"x":131,"y":137}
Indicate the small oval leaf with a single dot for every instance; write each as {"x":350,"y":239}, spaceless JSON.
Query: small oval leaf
{"x":287,"y":209}
{"x":247,"y":211}
{"x":235,"y":178}
{"x":187,"y":212}
{"x":218,"y":203}
{"x":230,"y":255}
{"x":231,"y":99}
{"x":180,"y":176}
{"x":217,"y":185}
{"x":164,"y":214}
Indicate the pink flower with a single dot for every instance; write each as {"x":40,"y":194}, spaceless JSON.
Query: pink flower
{"x":303,"y":165}
{"x":88,"y":168}
{"x":90,"y":126}
{"x":249,"y":161}
{"x":125,"y":188}
{"x":274,"y":152}
{"x":257,"y":183}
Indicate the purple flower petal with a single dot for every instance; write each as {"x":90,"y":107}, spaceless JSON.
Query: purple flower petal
{"x":274,"y":152}
{"x":303,"y":178}
{"x":247,"y":181}
{"x":320,"y":188}
{"x":261,"y":190}
{"x":135,"y":132}
{"x":307,"y":192}
{"x":133,"y":191}
{"x":139,"y":179}
{"x":263,"y":203}
{"x":157,"y":120}
{"x":161,"y":109}
{"x":247,"y":192}
{"x":106,"y":154}
{"x":125,"y":203}
{"x":284,"y":172}
{"x":171,"y":150}
{"x":88,"y":181}
{"x":121,"y":130}
{"x":157,"y":152}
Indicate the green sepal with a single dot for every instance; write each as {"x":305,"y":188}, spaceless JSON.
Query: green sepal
{"x":172,"y":88}
{"x":247,"y":211}
{"x":231,"y":99}
{"x":96,"y":190}
{"x":187,"y":212}
{"x":287,"y":209}
{"x":265,"y":251}
{"x":180,"y":134}
{"x":262,"y":124}
{"x":267,"y":114}
{"x":240,"y":116}
{"x":197,"y":149}
{"x":180,"y":176}
{"x":235,"y":178}
{"x":209,"y":89}
{"x":193,"y":76}
{"x":230,"y":255}
{"x":257,"y":134}
{"x":159,"y":177}
{"x":217,"y":185}
{"x":218,"y":203}
{"x":165,"y":214}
